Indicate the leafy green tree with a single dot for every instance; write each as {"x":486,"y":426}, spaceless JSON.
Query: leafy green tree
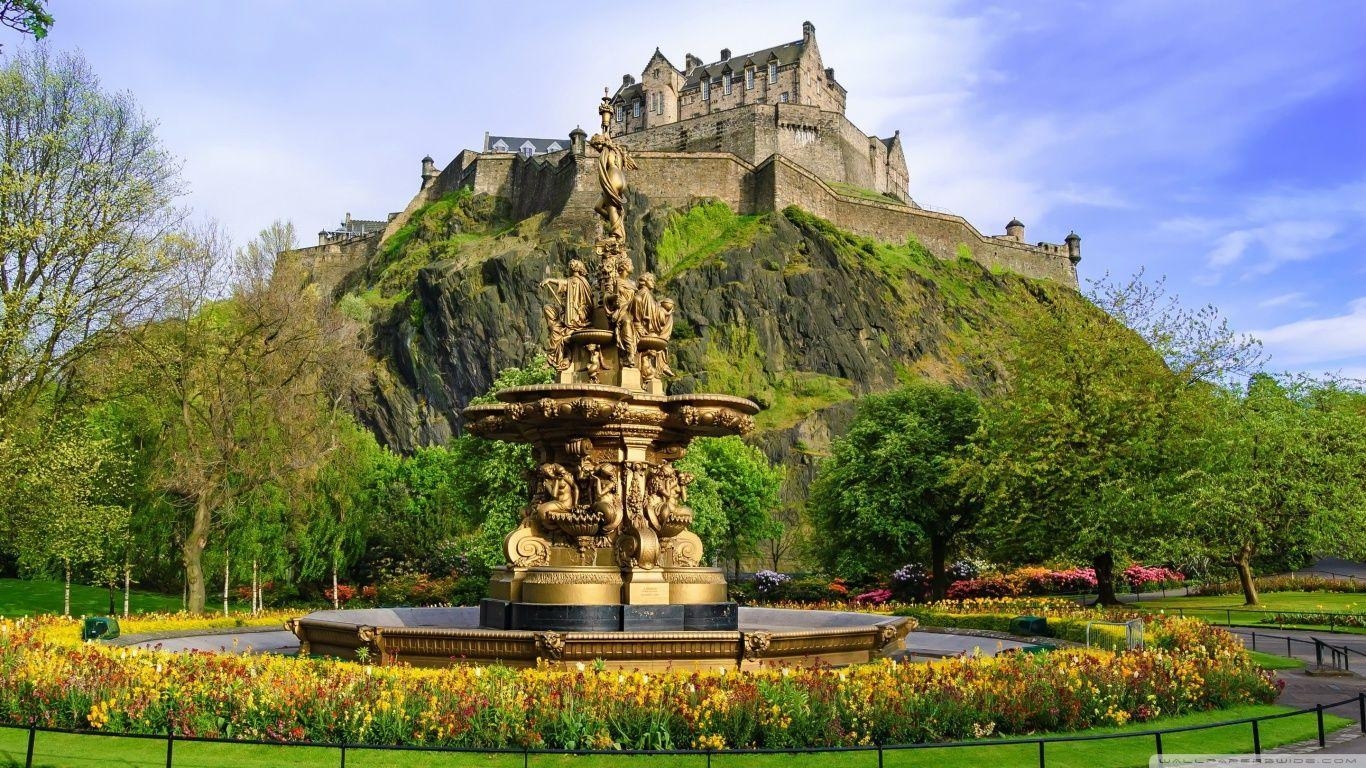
{"x":733,"y":496}
{"x":67,"y":498}
{"x":27,"y":16}
{"x":85,"y":190}
{"x":1282,"y":470}
{"x":887,"y":495}
{"x":1079,"y":453}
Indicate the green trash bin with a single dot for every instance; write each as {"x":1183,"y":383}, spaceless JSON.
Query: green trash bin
{"x":1029,"y":625}
{"x":100,"y":628}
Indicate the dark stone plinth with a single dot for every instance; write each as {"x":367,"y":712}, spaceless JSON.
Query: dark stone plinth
{"x":566,"y":618}
{"x":540,"y":617}
{"x":495,"y":614}
{"x":714,"y":617}
{"x":651,"y":618}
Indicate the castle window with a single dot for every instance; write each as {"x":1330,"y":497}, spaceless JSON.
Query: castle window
{"x":706,"y":90}
{"x":635,"y":108}
{"x":725,"y":81}
{"x":783,"y":97}
{"x":621,"y":114}
{"x":749,"y":78}
{"x":772,"y":72}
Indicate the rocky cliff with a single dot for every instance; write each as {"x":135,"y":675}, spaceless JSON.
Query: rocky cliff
{"x":783,"y":308}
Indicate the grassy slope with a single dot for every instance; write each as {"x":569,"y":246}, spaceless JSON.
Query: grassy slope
{"x":26,"y":598}
{"x":69,"y":751}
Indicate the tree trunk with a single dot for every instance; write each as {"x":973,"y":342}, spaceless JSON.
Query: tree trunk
{"x":255,"y":588}
{"x":110,"y":587}
{"x":336,"y":599}
{"x":127,"y":585}
{"x":1243,"y":562}
{"x":193,"y":550}
{"x":66,"y":594}
{"x":1104,"y":565}
{"x":939,"y":577}
{"x":226,"y":555}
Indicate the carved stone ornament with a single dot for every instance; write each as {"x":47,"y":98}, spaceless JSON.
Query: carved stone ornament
{"x":366,"y":634}
{"x":886,"y":634}
{"x":550,"y":645}
{"x":756,"y":643}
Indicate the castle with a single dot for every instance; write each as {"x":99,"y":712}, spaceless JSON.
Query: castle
{"x":760,"y":131}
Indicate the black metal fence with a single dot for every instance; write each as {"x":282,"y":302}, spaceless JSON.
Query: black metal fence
{"x":1335,"y":656}
{"x":878,"y":752}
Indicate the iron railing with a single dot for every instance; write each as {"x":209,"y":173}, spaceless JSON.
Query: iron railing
{"x":878,"y":750}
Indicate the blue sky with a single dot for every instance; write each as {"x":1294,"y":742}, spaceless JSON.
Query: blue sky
{"x":1220,"y":144}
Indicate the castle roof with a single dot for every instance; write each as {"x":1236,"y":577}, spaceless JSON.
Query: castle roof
{"x":518,"y":144}
{"x":785,"y":54}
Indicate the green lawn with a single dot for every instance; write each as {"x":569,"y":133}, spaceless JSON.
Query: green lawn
{"x":1272,"y":661}
{"x":19,"y":597}
{"x":1225,"y":608}
{"x":71,"y":751}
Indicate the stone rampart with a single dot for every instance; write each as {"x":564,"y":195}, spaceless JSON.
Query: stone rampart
{"x":565,"y":186}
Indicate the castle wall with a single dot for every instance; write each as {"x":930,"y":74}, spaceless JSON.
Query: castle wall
{"x":940,"y":233}
{"x":326,"y":265}
{"x":823,"y":141}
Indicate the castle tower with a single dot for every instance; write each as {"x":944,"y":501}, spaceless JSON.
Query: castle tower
{"x":1073,"y":241}
{"x":429,"y":171}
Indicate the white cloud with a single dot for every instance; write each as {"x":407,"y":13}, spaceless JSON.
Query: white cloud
{"x":1296,"y":299}
{"x":1319,"y":342}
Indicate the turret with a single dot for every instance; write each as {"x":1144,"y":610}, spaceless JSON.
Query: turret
{"x":578,"y":139}
{"x":808,"y":31}
{"x":1073,"y":241}
{"x":1015,"y":229}
{"x":429,"y":171}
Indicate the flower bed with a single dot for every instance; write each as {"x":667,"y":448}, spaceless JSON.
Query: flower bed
{"x":1189,"y":667}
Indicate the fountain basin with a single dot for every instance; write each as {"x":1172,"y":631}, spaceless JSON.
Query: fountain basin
{"x":439,"y":637}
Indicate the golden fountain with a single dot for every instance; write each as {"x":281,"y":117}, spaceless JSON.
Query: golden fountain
{"x":603,"y":565}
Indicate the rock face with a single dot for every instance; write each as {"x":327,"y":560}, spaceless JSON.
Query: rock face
{"x":784,"y":309}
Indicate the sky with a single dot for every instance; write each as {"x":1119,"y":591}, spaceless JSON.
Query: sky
{"x":1221,"y":145}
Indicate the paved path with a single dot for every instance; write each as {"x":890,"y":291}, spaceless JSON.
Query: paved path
{"x":1301,"y":646}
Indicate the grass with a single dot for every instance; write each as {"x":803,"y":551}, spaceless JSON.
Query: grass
{"x":1272,"y":661}
{"x":1223,"y":609}
{"x":52,"y":750}
{"x":21,"y":597}
{"x":700,"y":233}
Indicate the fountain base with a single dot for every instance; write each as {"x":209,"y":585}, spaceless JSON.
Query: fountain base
{"x":607,"y":598}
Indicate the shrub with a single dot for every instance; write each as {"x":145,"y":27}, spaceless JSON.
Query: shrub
{"x":767,"y":584}
{"x":1282,"y":584}
{"x":1141,"y":578}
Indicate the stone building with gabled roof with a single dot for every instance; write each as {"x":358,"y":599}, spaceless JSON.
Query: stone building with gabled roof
{"x":780,"y":100}
{"x":526,"y":147}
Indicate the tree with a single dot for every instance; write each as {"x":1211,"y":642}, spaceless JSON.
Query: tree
{"x":85,"y":189}
{"x":733,"y":495}
{"x":27,"y":16}
{"x":887,"y":495}
{"x":1282,"y":470}
{"x":67,"y":511}
{"x":1079,"y":452}
{"x":251,"y":387}
{"x":1198,"y":345}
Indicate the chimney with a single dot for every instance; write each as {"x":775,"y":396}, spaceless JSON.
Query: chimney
{"x":690,"y":62}
{"x":627,"y":80}
{"x":725,"y":54}
{"x":830,"y":74}
{"x":808,"y":31}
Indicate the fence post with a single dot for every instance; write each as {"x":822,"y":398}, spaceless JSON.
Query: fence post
{"x":32,"y":734}
{"x":1228,"y":616}
{"x":879,"y":754}
{"x":1318,"y":652}
{"x":1323,"y":738}
{"x":1287,"y":646}
{"x":343,"y":754}
{"x":526,"y":756}
{"x":708,"y":757}
{"x":1254,"y":640}
{"x":1361,"y":710}
{"x":170,"y":743}
{"x":1158,"y":735}
{"x":1256,"y":738}
{"x":1041,"y":743}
